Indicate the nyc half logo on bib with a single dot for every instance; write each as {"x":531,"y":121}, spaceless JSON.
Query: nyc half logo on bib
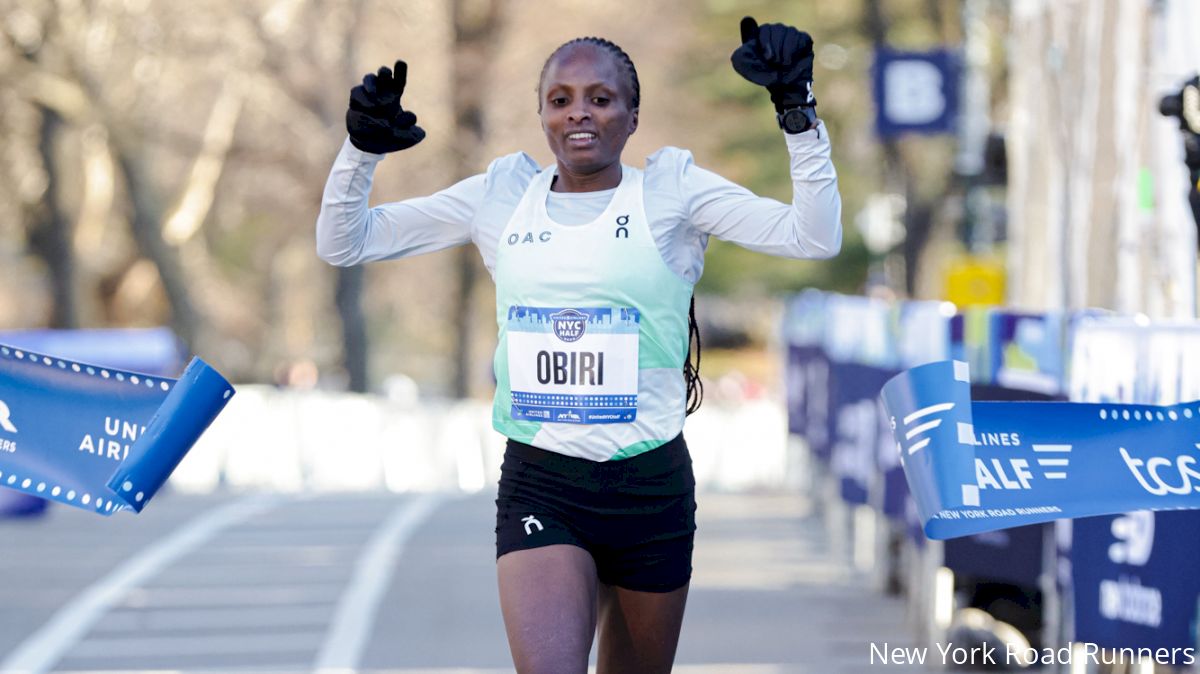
{"x":573,"y":365}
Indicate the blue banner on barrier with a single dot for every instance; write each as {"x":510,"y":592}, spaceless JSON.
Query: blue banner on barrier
{"x":983,"y":466}
{"x":859,"y":427}
{"x":808,"y":393}
{"x":1027,"y":351}
{"x":1009,"y":556}
{"x":95,"y":437}
{"x":1136,"y":587}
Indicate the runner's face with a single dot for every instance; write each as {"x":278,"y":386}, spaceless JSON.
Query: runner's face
{"x":585,"y":109}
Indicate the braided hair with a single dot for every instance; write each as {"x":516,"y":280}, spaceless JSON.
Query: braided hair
{"x":691,"y":371}
{"x":616,"y":52}
{"x":691,"y":364}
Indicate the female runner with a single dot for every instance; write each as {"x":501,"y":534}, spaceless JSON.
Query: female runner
{"x":594,"y":263}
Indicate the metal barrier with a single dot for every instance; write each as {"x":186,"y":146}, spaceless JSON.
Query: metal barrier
{"x":294,"y":440}
{"x":1091,"y":589}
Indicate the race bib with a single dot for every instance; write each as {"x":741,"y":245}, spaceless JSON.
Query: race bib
{"x":571,"y":365}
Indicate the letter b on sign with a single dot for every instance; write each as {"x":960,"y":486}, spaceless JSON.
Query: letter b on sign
{"x":913,"y":92}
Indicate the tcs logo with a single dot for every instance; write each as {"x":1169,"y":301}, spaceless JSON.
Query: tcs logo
{"x":1161,"y":475}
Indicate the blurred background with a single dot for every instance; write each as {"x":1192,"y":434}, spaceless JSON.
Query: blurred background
{"x":1006,"y":168}
{"x":163,"y":164}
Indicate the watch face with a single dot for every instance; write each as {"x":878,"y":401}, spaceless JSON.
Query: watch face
{"x":795,"y":121}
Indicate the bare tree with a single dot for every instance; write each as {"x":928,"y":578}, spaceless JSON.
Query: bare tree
{"x":477,"y":26}
{"x":61,"y":77}
{"x":49,"y":228}
{"x":918,"y":212}
{"x":47,"y":224}
{"x":322,"y":98}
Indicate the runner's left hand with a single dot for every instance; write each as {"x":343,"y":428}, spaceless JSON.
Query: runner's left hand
{"x":777,"y":57}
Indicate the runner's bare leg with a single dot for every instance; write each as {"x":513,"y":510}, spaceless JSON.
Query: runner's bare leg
{"x":548,"y":598}
{"x":639,"y":631}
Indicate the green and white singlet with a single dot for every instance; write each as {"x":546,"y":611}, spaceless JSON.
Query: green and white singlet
{"x":614,"y":274}
{"x":593,"y":330}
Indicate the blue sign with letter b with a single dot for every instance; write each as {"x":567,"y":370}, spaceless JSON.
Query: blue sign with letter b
{"x":915,"y":92}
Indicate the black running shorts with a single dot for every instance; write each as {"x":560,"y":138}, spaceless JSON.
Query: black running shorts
{"x":636,"y":516}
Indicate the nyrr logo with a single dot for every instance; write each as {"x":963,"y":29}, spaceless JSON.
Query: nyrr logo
{"x":5,"y":418}
{"x":569,"y":325}
{"x":1155,"y":482}
{"x":515,"y":238}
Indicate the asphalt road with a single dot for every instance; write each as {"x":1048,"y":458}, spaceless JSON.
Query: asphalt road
{"x":399,"y":583}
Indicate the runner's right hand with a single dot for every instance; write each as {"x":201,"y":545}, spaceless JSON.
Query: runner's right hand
{"x":375,"y":121}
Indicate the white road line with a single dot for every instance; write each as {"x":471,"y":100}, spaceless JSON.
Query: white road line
{"x":208,"y":619}
{"x":262,"y":595}
{"x":45,"y":647}
{"x":356,"y":610}
{"x":193,"y":645}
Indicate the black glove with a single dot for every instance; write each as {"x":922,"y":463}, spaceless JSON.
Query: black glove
{"x":779,"y":58}
{"x":375,"y":120}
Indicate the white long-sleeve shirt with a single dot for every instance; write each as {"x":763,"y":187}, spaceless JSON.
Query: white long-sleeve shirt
{"x":685,"y":204}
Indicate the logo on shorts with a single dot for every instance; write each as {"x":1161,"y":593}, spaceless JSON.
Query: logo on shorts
{"x":530,"y":523}
{"x":569,"y":324}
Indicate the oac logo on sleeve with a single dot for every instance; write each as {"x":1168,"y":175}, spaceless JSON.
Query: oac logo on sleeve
{"x":569,"y":324}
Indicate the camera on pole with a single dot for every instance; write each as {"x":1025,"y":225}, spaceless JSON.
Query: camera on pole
{"x":1184,"y":105}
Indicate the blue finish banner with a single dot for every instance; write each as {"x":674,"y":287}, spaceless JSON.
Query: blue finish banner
{"x":95,"y":437}
{"x":983,"y":466}
{"x":1013,"y":555}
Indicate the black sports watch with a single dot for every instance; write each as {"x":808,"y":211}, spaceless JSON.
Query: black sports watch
{"x":797,"y":120}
